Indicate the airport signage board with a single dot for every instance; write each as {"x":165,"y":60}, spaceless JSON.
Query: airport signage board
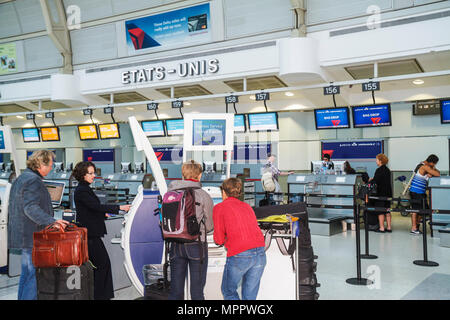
{"x":171,"y":29}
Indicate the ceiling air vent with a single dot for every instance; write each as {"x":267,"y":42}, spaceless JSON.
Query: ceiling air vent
{"x":48,"y":104}
{"x":259,"y":83}
{"x":124,"y":97}
{"x":385,"y":69}
{"x":185,"y":91}
{"x":11,"y":108}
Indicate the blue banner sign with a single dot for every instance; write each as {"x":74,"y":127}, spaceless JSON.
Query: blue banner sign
{"x":354,"y":150}
{"x":98,"y":155}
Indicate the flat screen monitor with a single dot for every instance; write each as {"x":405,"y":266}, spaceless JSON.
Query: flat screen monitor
{"x":332,"y":118}
{"x":377,"y":115}
{"x":109,"y":131}
{"x":208,"y":132}
{"x":153,"y":128}
{"x":88,"y":132}
{"x":50,"y":133}
{"x":31,"y":135}
{"x":175,"y":127}
{"x":56,"y":191}
{"x":267,"y":121}
{"x":445,"y":111}
{"x":239,"y":123}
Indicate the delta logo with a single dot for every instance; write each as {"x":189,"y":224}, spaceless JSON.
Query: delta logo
{"x":159,"y":155}
{"x":376,"y":120}
{"x":336,"y":122}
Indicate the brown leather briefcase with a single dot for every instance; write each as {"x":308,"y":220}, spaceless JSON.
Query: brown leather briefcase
{"x":58,"y":247}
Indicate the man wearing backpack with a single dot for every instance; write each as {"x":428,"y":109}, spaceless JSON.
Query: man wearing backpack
{"x":192,"y":253}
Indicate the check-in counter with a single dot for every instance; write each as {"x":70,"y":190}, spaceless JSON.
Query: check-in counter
{"x":440,"y":200}
{"x":330,"y":199}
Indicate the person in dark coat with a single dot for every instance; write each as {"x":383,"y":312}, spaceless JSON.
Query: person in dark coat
{"x":91,"y":214}
{"x":382,"y":178}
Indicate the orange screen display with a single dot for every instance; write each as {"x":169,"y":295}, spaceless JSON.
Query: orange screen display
{"x":109,"y":131}
{"x":50,"y":134}
{"x":88,"y":132}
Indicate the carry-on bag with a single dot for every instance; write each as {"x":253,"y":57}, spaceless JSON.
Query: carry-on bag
{"x":71,"y":283}
{"x":58,"y":247}
{"x":159,"y":289}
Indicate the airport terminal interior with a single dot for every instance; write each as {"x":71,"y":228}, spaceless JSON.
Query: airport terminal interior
{"x":139,"y":87}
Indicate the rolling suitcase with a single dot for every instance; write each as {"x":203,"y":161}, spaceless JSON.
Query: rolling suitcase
{"x":71,"y":283}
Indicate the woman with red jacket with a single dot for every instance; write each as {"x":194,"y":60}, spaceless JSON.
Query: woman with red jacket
{"x":236,"y":227}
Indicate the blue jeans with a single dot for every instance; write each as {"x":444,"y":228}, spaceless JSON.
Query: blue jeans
{"x":27,"y":282}
{"x":247,"y":266}
{"x":181,"y":255}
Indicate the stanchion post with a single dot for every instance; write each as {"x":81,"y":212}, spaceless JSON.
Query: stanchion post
{"x":425,"y":262}
{"x":358,"y":280}
{"x":367,"y":255}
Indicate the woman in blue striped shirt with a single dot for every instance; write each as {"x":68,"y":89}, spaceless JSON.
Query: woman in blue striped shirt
{"x":419,"y":184}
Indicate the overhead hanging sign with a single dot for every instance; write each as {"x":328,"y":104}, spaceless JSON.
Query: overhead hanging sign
{"x":170,"y":29}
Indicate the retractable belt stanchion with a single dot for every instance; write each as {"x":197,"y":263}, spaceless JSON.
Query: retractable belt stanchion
{"x":425,"y":262}
{"x":367,"y":255}
{"x":358,"y":280}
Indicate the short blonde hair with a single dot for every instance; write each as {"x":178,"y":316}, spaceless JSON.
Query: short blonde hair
{"x":191,"y":169}
{"x":382,"y":158}
{"x":40,"y":158}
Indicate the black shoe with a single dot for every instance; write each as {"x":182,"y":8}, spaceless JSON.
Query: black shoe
{"x":380,"y":231}
{"x":387,"y":230}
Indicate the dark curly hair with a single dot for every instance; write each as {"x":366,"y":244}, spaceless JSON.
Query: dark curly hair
{"x":81,"y":169}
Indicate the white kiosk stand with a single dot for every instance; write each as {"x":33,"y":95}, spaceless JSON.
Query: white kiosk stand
{"x":6,"y":146}
{"x":210,"y":132}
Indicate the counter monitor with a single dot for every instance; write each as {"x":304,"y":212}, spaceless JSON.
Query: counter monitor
{"x":153,"y":128}
{"x":445,"y":111}
{"x":50,"y":133}
{"x":377,"y":115}
{"x":109,"y":131}
{"x":267,"y":121}
{"x":88,"y":132}
{"x":332,"y":118}
{"x":30,"y":135}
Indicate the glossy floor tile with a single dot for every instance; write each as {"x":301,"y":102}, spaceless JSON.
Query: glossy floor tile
{"x":394,"y":274}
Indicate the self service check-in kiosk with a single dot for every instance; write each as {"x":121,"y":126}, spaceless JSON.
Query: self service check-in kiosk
{"x":6,"y":146}
{"x":141,"y":236}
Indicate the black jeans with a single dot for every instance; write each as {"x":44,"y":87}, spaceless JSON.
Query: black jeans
{"x":181,"y":256}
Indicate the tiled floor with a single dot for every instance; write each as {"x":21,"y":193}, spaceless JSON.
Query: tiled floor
{"x":395,"y":275}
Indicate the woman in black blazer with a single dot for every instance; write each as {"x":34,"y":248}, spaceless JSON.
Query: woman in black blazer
{"x":382,"y":178}
{"x":91,"y":214}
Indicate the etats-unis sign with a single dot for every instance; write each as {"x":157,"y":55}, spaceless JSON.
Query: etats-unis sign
{"x":184,"y":69}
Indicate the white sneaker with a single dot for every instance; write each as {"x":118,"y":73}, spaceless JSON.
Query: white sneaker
{"x":416,"y":232}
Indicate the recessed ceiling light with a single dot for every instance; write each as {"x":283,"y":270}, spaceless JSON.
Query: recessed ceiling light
{"x":39,"y":115}
{"x":418,"y":81}
{"x":130,"y":108}
{"x":19,"y":117}
{"x":187,"y":103}
{"x":252,"y":97}
{"x":62,"y":114}
{"x":289,"y":94}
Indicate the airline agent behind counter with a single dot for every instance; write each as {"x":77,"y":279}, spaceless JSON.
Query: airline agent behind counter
{"x":92,"y":214}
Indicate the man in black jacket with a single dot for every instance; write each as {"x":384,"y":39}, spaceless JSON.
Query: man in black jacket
{"x":30,"y":210}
